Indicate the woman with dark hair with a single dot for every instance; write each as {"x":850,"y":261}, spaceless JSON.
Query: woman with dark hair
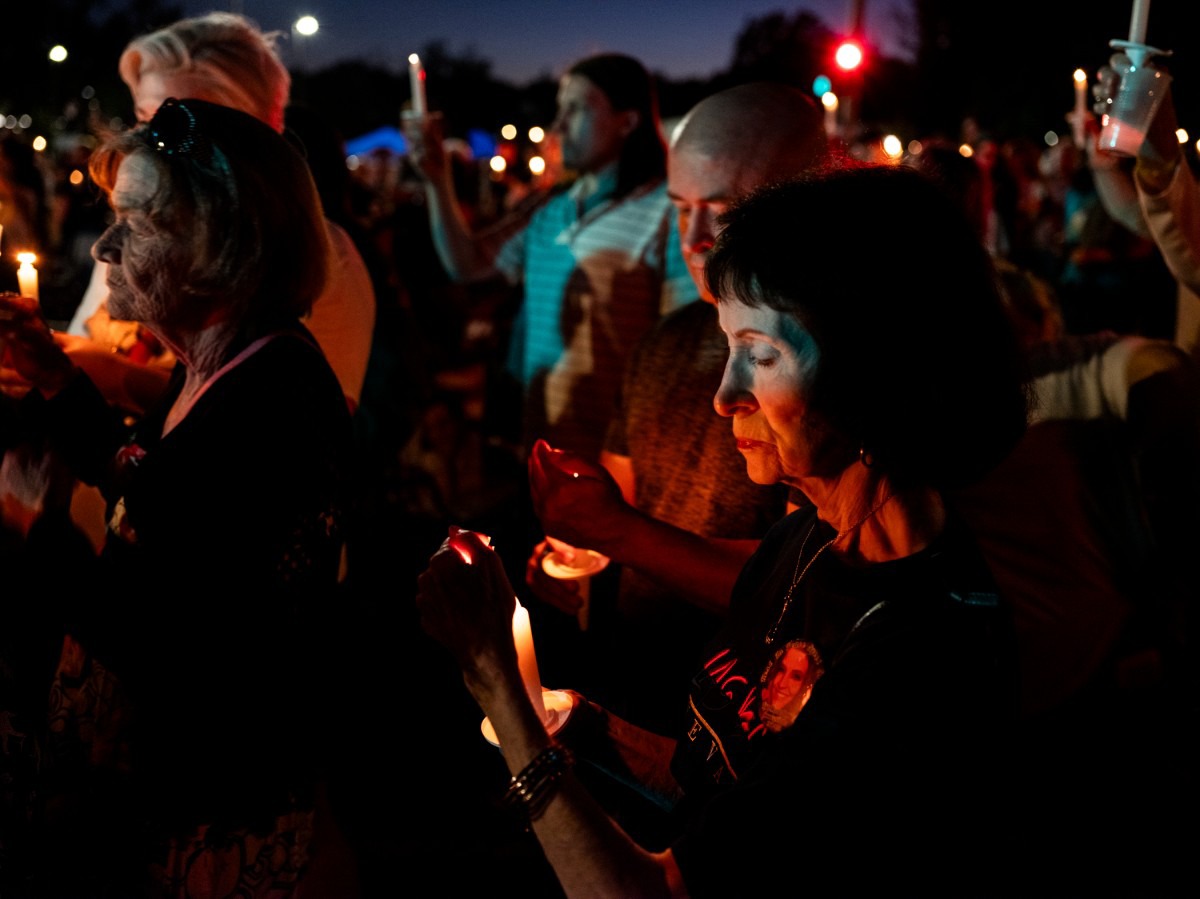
{"x":184,"y":707}
{"x":599,"y":261}
{"x":872,"y":371}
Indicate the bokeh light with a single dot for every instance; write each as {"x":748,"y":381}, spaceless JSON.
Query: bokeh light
{"x":849,"y":55}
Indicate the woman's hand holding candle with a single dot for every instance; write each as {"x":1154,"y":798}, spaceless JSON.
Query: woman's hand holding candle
{"x":466,"y":603}
{"x":29,"y":354}
{"x":576,"y":500}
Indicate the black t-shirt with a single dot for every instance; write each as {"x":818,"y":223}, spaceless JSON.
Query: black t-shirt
{"x":864,"y":743}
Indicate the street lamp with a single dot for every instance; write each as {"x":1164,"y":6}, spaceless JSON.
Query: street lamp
{"x":302,"y":29}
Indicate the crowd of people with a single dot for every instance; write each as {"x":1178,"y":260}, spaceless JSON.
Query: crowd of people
{"x":893,"y":462}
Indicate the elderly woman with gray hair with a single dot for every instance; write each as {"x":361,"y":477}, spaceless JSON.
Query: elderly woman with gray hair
{"x":186,"y":695}
{"x":223,"y":58}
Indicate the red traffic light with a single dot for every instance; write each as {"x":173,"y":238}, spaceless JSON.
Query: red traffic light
{"x":848,"y":56}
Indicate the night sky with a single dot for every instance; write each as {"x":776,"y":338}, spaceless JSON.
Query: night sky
{"x":527,"y":38}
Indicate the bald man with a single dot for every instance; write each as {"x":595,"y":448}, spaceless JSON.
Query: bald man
{"x":673,"y":504}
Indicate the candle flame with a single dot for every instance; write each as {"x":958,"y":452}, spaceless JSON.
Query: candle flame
{"x":27,"y":258}
{"x":414,"y":59}
{"x":1080,"y":75}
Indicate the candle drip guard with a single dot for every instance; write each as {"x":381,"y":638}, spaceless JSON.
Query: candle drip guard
{"x":559,"y":705}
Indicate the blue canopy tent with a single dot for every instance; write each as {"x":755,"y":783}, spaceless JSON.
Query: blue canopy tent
{"x":390,"y":138}
{"x":386,"y":138}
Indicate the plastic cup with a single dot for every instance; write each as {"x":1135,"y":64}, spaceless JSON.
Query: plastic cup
{"x":1140,"y":91}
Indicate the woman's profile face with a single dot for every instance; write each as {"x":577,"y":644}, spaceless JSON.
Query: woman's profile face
{"x":147,"y":254}
{"x":766,"y":390}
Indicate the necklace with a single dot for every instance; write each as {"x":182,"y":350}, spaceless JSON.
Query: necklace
{"x":799,"y":573}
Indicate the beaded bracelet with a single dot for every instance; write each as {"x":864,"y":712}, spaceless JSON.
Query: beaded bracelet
{"x":534,"y":786}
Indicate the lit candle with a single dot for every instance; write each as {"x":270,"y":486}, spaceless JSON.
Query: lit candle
{"x":1137,"y":21}
{"x":1080,"y":117}
{"x":527,"y":660}
{"x":830,"y":101}
{"x":416,"y":83}
{"x":27,"y":275}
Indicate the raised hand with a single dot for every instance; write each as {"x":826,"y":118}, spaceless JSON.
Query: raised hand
{"x":425,"y":135}
{"x":576,"y":500}
{"x":29,"y":354}
{"x":466,"y":603}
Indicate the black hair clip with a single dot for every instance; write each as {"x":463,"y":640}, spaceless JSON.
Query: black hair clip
{"x":174,"y":131}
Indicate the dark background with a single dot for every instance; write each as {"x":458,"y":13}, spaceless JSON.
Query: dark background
{"x":1007,"y":66}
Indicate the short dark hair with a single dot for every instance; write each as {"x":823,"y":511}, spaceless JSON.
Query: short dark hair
{"x":919,"y":364}
{"x":627,"y":85}
{"x":263,"y":238}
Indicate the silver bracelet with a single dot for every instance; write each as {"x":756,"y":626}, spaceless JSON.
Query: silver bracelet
{"x":535,"y":785}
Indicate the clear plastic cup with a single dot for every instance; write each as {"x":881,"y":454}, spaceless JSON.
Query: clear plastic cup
{"x":1140,"y":91}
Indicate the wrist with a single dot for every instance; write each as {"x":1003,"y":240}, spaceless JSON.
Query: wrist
{"x":55,"y":380}
{"x":1155,"y":176}
{"x":18,"y":517}
{"x":612,"y":534}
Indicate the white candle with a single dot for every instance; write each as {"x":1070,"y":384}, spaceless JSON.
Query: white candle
{"x":830,"y":101}
{"x":1137,"y":21}
{"x":1080,"y":117}
{"x":27,"y":280}
{"x":416,"y":83}
{"x":527,"y":660}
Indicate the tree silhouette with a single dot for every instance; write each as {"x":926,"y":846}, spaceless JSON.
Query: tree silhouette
{"x":94,"y":35}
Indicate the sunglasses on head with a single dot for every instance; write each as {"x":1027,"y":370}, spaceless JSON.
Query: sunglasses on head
{"x":174,"y":131}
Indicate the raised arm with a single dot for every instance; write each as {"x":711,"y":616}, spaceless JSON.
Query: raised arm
{"x":1170,"y":197}
{"x":464,"y":256}
{"x":583,"y":504}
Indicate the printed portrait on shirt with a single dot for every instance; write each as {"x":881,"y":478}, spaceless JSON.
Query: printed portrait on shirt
{"x":787,"y":683}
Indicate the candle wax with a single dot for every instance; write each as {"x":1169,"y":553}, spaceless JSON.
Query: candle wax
{"x":527,"y":660}
{"x":1080,"y":117}
{"x":1137,"y":21}
{"x":416,"y":83}
{"x":27,"y":280}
